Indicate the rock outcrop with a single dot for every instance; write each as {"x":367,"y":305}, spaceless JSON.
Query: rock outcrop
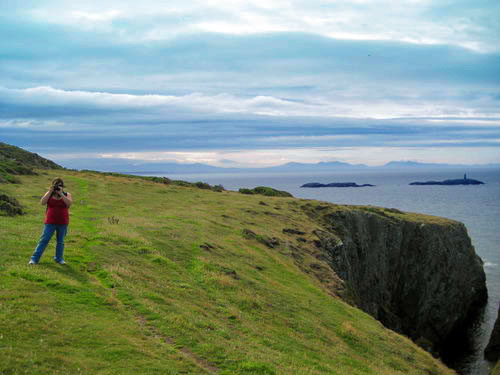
{"x":464,"y":181}
{"x":492,"y":351}
{"x":418,"y":275}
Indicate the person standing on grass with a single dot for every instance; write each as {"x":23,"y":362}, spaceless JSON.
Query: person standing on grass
{"x":56,"y":220}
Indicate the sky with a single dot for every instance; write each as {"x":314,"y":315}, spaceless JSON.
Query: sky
{"x":252,"y":84}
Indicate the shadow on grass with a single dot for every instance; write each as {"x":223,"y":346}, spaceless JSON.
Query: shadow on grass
{"x":70,"y":271}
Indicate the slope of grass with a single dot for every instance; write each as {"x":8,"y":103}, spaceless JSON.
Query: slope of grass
{"x":161,"y":279}
{"x":16,"y":161}
{"x":28,"y":159}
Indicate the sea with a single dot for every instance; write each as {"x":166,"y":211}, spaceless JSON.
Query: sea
{"x":477,"y":206}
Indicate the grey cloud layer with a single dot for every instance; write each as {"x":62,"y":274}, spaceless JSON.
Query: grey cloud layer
{"x":466,"y":23}
{"x":139,"y":131}
{"x":114,"y":77}
{"x":294,"y":55}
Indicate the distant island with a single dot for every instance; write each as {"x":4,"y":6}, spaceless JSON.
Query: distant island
{"x":333,"y":184}
{"x":461,"y":181}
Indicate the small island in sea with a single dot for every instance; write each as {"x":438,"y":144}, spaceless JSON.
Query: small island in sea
{"x":462,"y":181}
{"x":333,"y":184}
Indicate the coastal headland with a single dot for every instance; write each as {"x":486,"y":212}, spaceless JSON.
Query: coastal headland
{"x":190,"y":278}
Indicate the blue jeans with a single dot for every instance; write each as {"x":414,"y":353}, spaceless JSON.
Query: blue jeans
{"x":48,"y":231}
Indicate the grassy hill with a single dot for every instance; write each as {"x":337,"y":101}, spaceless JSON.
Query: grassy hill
{"x":168,"y":279}
{"x":16,"y":161}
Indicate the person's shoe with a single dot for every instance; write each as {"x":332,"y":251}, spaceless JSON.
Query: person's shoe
{"x":59,"y":261}
{"x":32,"y":262}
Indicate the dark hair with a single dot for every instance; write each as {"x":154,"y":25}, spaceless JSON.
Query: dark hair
{"x":58,"y":181}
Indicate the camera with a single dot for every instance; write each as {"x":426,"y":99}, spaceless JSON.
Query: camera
{"x":57,"y":187}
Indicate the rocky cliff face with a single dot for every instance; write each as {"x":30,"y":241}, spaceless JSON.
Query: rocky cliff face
{"x":492,"y":352}
{"x":417,"y":274}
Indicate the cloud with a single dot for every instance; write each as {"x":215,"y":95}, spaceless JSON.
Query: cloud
{"x":31,"y":124}
{"x":467,"y":24}
{"x":290,"y":67}
{"x":48,"y":97}
{"x":196,"y":121}
{"x":57,"y":102}
{"x":197,"y":76}
{"x":101,"y":122}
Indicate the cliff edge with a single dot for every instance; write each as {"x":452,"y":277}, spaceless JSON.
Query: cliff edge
{"x":417,"y":274}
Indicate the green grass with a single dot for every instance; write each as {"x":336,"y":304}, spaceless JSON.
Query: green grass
{"x":174,"y":287}
{"x":496,"y":370}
